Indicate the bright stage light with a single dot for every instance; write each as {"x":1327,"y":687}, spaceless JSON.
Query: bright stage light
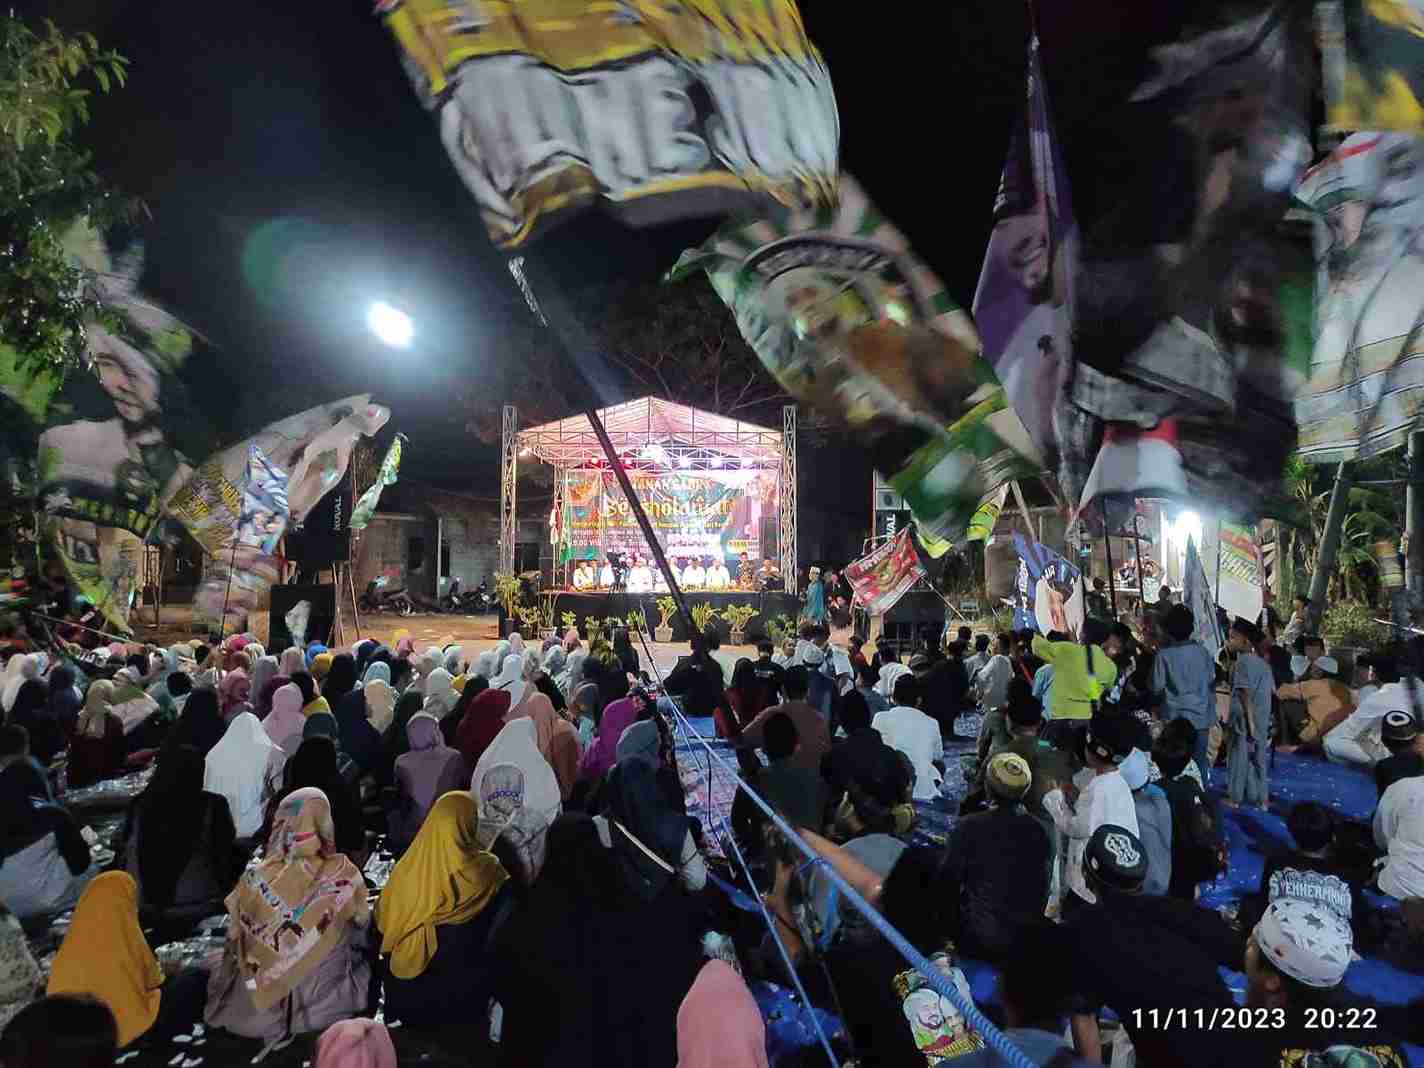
{"x":716,"y":461}
{"x":391,"y":325}
{"x":684,"y":462}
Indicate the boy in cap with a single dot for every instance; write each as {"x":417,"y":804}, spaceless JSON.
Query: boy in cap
{"x":1405,"y":741}
{"x":1249,"y":720}
{"x":1104,"y":799}
{"x":995,"y":876}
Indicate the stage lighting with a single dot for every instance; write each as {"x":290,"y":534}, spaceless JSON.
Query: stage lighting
{"x":716,"y":461}
{"x":391,"y":325}
{"x":684,"y":462}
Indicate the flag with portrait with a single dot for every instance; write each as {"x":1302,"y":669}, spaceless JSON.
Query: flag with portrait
{"x":880,"y":578}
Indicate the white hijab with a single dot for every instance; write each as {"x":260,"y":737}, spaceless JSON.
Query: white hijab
{"x":484,"y":664}
{"x":16,"y":675}
{"x":889,"y":675}
{"x":240,"y":767}
{"x":516,"y":793}
{"x":380,"y":703}
{"x":440,"y":696}
{"x":510,"y":678}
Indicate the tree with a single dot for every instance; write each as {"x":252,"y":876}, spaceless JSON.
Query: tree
{"x":47,"y":187}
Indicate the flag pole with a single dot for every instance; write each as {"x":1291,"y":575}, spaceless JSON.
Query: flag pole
{"x":1216,"y":600}
{"x":1107,"y":551}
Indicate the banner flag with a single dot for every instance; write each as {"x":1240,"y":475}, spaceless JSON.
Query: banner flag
{"x":312,"y":449}
{"x":882,"y":577}
{"x":666,"y":110}
{"x":1197,"y":595}
{"x":1023,"y":306}
{"x":1366,"y":384}
{"x":1192,"y":297}
{"x":981,"y":527}
{"x":1048,"y":592}
{"x":1242,"y":582}
{"x":1372,"y":62}
{"x":366,"y":505}
{"x":849,"y":320}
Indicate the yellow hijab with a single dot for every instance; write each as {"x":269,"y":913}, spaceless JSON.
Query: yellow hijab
{"x":317,"y":704}
{"x":321,"y":665}
{"x":105,"y":954}
{"x":444,"y":877}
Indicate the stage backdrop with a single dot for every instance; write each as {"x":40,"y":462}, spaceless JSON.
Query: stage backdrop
{"x":707,"y":513}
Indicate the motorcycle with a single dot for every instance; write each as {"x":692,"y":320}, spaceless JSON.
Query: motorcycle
{"x":378,"y":598}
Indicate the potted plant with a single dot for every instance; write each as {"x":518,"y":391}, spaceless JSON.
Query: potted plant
{"x":737,"y":617}
{"x":506,"y":592}
{"x":570,"y":621}
{"x":528,"y":618}
{"x":638,"y":622}
{"x":546,"y":619}
{"x":779,"y":627}
{"x":594,"y":628}
{"x":667,"y":607}
{"x":1349,"y":628}
{"x":702,"y":614}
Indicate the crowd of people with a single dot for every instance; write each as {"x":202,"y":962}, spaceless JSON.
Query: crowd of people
{"x":552,"y":894}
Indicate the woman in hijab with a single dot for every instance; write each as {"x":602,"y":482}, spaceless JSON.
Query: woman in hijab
{"x":617,"y":717}
{"x":44,"y":860}
{"x":263,"y":672}
{"x":584,"y":710}
{"x":566,"y":961}
{"x":178,"y":840}
{"x":452,"y":660}
{"x":358,"y":1043}
{"x":484,"y":665}
{"x":106,"y":956}
{"x":162,"y":663}
{"x":246,"y":769}
{"x":65,"y":700}
{"x":201,"y":725}
{"x":285,"y":722}
{"x":440,"y":696}
{"x":651,"y":840}
{"x":404,"y":646}
{"x":320,"y":667}
{"x":380,"y":697}
{"x":396,"y":741}
{"x":314,"y":650}
{"x":359,"y":740}
{"x":20,"y":978}
{"x":719,"y":1024}
{"x":555,"y":660}
{"x":317,"y":763}
{"x":96,"y":749}
{"x":555,"y":736}
{"x":234,"y":693}
{"x":517,"y":795}
{"x":296,"y":959}
{"x":340,"y":680}
{"x":482,"y":721}
{"x":311,"y":700}
{"x":430,"y":769}
{"x":435,"y":916}
{"x":571,"y":678}
{"x":18,"y":671}
{"x":291,"y":661}
{"x":624,"y":651}
{"x":262,"y":707}
{"x":32,"y":711}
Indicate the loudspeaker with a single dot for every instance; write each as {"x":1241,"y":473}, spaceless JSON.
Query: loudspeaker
{"x":319,"y":623}
{"x":324,"y":537}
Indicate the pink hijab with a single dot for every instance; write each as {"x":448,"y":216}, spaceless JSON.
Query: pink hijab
{"x":718,"y":1023}
{"x":358,"y":1043}
{"x":285,"y":722}
{"x":292,"y":661}
{"x":404,"y":647}
{"x":233,"y":692}
{"x":603,"y":753}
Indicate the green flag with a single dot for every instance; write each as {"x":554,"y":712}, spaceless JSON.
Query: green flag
{"x":366,"y":506}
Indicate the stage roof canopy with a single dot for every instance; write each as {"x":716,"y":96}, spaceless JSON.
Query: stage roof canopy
{"x":655,"y":433}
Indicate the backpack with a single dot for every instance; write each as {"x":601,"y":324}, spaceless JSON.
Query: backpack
{"x":1202,"y":849}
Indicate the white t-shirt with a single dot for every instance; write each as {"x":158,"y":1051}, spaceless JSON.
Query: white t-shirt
{"x":640,"y":579}
{"x":605,"y":577}
{"x":1104,"y":799}
{"x":917,"y":736}
{"x":1363,"y":725}
{"x":694,"y":577}
{"x":1399,"y":830}
{"x":718,"y":577}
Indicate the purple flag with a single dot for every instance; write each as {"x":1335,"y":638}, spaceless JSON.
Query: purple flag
{"x":1024,"y":304}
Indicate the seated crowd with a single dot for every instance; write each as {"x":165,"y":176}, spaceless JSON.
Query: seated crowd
{"x":551,"y":897}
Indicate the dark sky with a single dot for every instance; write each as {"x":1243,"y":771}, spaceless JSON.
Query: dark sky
{"x":293,"y":178}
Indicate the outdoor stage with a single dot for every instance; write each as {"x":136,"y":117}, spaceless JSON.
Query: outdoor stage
{"x":596,"y":605}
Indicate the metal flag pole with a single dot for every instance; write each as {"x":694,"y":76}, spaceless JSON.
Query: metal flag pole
{"x":1216,"y":600}
{"x":1137,"y":552}
{"x":1107,"y":550}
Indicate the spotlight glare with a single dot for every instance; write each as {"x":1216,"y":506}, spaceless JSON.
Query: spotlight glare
{"x":390,"y":324}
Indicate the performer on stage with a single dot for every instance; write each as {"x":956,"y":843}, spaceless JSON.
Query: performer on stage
{"x":584,"y":577}
{"x":640,"y":576}
{"x":746,"y":574}
{"x":605,"y":576}
{"x":693,"y":576}
{"x":718,"y":577}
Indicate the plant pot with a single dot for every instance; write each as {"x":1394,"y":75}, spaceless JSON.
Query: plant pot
{"x":545,"y":633}
{"x":662,"y":634}
{"x":737,"y":637}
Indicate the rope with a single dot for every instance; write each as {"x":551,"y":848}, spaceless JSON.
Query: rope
{"x":992,"y":1036}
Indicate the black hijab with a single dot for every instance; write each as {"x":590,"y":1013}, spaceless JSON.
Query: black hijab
{"x":201,"y":725}
{"x":31,"y":711}
{"x":64,"y":700}
{"x":340,"y":680}
{"x":171,"y":814}
{"x":359,"y":740}
{"x":315,"y":763}
{"x":636,"y":806}
{"x":408,"y":705}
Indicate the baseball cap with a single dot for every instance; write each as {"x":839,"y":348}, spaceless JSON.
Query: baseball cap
{"x":1399,"y":726}
{"x":1008,"y":776}
{"x":1305,"y":941}
{"x":1116,"y":858}
{"x":1106,"y":738}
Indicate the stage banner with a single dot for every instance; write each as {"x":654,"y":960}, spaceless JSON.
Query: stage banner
{"x":709,"y":513}
{"x":1372,"y":64}
{"x":882,"y":577}
{"x":1242,"y":581}
{"x":1192,"y":295}
{"x":1048,"y":592}
{"x":1024,"y":303}
{"x":390,"y":468}
{"x":664,"y":110}
{"x":102,"y":564}
{"x":1366,"y":385}
{"x":1197,"y":595}
{"x":849,"y":320}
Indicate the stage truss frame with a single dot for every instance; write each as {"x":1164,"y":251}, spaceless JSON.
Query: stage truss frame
{"x":651,"y":434}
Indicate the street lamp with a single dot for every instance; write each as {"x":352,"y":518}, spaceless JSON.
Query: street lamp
{"x":390,"y":324}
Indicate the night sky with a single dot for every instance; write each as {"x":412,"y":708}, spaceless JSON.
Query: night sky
{"x":293,"y":178}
